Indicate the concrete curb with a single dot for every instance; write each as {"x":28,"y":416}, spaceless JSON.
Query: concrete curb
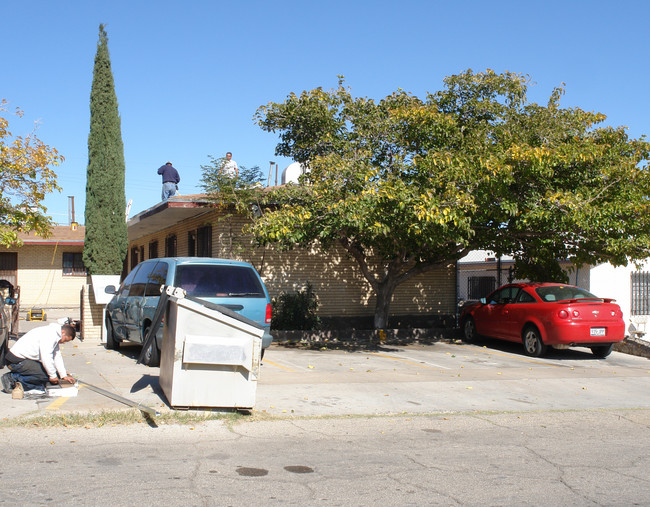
{"x":354,"y":339}
{"x":634,"y":347}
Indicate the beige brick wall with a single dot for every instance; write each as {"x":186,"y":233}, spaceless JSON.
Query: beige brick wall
{"x":41,"y":280}
{"x":341,"y":289}
{"x":91,"y":315}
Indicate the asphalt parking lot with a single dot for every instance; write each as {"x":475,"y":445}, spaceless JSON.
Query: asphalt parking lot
{"x":442,"y":377}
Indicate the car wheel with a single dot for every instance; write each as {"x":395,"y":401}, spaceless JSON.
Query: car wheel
{"x":469,"y":330}
{"x":602,"y":351}
{"x":152,"y":355}
{"x":111,"y":342}
{"x":533,"y":344}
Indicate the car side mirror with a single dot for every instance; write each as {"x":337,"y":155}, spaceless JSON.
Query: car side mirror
{"x":110,"y":289}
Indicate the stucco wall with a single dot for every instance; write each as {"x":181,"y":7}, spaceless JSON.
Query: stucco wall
{"x":41,"y":280}
{"x":614,"y":282}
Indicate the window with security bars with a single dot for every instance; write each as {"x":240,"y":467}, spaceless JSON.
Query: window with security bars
{"x":170,"y":246}
{"x":153,"y":249}
{"x":134,"y":256}
{"x":480,"y":286}
{"x":73,"y":264}
{"x":640,"y":284}
{"x":9,"y":267}
{"x":204,"y":241}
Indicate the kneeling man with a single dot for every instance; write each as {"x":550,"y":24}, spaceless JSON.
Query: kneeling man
{"x":35,"y":360}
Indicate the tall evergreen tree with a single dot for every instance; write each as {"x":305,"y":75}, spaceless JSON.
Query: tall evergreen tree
{"x":106,"y":235}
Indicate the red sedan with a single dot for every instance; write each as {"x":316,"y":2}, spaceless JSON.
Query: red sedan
{"x":546,"y":314}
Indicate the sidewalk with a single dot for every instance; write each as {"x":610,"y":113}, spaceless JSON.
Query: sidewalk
{"x":88,"y":361}
{"x":435,"y":378}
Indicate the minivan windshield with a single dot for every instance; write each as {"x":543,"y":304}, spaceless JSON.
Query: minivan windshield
{"x":218,"y":281}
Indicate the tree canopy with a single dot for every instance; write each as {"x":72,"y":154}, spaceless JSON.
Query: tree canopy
{"x":26,"y":176}
{"x":105,"y":214}
{"x":405,"y":184}
{"x":240,"y":193}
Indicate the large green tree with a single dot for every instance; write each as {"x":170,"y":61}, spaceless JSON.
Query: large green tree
{"x":26,"y":175}
{"x":106,"y":235}
{"x":406,"y":184}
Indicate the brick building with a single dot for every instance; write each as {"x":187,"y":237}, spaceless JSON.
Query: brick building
{"x":188,"y":226}
{"x":49,"y":271}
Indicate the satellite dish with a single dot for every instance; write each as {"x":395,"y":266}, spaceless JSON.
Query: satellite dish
{"x":292,"y":172}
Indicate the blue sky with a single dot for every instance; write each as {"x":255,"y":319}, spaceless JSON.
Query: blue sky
{"x":190,"y":75}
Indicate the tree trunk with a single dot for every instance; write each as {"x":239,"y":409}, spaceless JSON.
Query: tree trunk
{"x":382,"y":307}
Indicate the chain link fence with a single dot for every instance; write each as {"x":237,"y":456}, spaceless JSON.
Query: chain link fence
{"x":481,"y":272}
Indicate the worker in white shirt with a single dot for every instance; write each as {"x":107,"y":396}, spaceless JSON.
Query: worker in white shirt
{"x":229,"y":167}
{"x":35,"y":359}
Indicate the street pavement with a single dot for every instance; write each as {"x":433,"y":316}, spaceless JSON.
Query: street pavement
{"x":418,"y":379}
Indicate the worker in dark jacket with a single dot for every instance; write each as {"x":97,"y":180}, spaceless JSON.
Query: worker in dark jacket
{"x":170,"y":180}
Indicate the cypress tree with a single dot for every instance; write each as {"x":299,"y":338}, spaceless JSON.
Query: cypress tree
{"x":106,"y":234}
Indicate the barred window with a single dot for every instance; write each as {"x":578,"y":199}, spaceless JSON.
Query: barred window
{"x":170,"y":246}
{"x":153,"y":249}
{"x":640,"y":284}
{"x":134,"y":257}
{"x":73,"y":264}
{"x":204,"y":241}
{"x":191,"y":244}
{"x":480,"y":286}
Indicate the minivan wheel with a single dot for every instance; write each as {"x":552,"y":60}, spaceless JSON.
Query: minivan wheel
{"x":533,"y":344}
{"x":111,"y":342}
{"x":602,"y":351}
{"x":152,"y":355}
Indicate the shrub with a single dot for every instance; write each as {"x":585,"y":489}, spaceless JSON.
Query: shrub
{"x":296,"y":310}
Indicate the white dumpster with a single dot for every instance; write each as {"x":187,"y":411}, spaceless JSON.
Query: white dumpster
{"x":210,"y":356}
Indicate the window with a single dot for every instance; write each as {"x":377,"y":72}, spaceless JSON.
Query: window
{"x":204,"y":241}
{"x":218,"y":281}
{"x":524,"y":297}
{"x":73,"y":264}
{"x":140,"y":281}
{"x":480,"y":286}
{"x":504,"y":296}
{"x":126,"y":284}
{"x":640,"y":284}
{"x":170,"y":246}
{"x":153,"y":250}
{"x":156,"y":278}
{"x":191,"y":243}
{"x":134,"y":257}
{"x":9,"y":267}
{"x":563,"y":293}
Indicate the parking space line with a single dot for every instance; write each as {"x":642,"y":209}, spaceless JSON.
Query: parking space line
{"x":266,"y":361}
{"x":490,"y":351}
{"x":56,"y":404}
{"x":395,"y":358}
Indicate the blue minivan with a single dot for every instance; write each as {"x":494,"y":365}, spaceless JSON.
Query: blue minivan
{"x":235,"y":285}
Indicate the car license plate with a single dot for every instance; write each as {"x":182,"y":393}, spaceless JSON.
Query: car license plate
{"x":597,"y":331}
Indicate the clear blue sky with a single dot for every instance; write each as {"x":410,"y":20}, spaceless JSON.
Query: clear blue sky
{"x":190,"y":75}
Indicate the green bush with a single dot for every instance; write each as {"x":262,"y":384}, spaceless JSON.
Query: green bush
{"x":296,"y":310}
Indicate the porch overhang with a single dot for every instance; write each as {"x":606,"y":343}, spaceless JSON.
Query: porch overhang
{"x":165,"y":214}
